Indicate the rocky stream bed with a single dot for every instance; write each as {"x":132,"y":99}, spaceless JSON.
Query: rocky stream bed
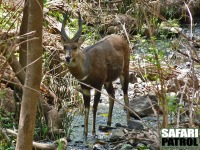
{"x":137,"y":133}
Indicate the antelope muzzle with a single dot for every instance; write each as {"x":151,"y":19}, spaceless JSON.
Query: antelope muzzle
{"x":68,"y":59}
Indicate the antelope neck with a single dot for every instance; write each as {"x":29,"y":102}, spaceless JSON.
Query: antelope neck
{"x":79,"y":69}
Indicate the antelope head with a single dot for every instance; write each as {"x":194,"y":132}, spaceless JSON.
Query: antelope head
{"x":72,"y":46}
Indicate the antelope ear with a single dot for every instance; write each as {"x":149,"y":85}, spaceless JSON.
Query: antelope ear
{"x":81,"y":40}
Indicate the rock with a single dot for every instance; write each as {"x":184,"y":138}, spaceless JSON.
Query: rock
{"x":7,"y":101}
{"x":154,"y":146}
{"x":132,"y":78}
{"x":142,"y":106}
{"x":53,"y":119}
{"x":120,"y":125}
{"x":105,"y":128}
{"x":79,"y":142}
{"x":99,"y":147}
{"x":133,"y":124}
{"x":114,"y":24}
{"x":197,"y":41}
{"x":117,"y":134}
{"x":197,"y":117}
{"x":167,"y":30}
{"x":126,"y":147}
{"x":154,"y":142}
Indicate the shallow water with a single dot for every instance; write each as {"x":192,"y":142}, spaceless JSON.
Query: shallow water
{"x":119,"y":116}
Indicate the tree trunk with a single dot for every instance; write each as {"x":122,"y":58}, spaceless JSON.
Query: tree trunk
{"x":31,"y":93}
{"x":23,"y":30}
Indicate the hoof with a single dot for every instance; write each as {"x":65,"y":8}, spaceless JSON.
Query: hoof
{"x":85,"y":136}
{"x":109,"y":123}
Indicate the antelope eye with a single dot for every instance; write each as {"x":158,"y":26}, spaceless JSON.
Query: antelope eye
{"x":65,"y":47}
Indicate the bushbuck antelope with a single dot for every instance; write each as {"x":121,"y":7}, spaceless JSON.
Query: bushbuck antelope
{"x":97,"y":65}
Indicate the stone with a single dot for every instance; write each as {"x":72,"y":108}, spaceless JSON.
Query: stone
{"x":134,"y":124}
{"x":117,"y":134}
{"x":7,"y":101}
{"x":142,"y":106}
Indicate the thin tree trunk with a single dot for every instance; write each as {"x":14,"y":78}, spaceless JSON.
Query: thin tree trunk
{"x":23,"y":30}
{"x":31,"y":93}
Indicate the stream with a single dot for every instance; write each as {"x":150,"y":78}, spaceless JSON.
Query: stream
{"x":119,"y":115}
